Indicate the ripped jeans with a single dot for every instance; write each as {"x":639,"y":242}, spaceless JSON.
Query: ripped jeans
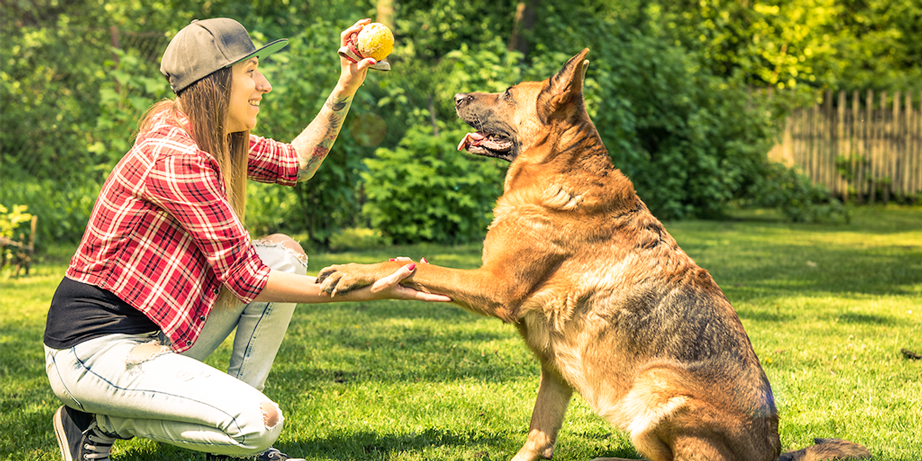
{"x":139,"y":388}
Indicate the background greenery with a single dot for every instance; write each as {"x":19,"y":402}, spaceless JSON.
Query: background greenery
{"x":827,"y":307}
{"x":670,"y":89}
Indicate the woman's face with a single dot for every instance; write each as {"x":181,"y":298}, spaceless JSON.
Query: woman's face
{"x":247,"y":90}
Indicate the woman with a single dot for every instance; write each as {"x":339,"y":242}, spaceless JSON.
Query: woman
{"x":165,"y":270}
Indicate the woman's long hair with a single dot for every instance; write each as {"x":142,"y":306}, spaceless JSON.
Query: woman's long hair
{"x":206,"y":104}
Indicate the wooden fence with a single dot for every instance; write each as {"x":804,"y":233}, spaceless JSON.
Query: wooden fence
{"x":864,"y":148}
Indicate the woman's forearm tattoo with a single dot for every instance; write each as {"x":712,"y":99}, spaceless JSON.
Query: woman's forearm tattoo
{"x":339,"y":105}
{"x":315,"y":142}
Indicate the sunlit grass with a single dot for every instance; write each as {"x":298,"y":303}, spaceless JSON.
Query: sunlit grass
{"x":827,"y":308}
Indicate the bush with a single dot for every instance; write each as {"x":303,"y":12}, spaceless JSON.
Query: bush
{"x":795,"y":196}
{"x":689,"y":140}
{"x":355,"y":238}
{"x":424,"y":190}
{"x":63,"y":207}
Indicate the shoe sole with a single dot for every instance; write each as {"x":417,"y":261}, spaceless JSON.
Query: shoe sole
{"x":62,"y":438}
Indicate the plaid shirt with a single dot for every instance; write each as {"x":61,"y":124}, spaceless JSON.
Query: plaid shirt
{"x":163,"y":236}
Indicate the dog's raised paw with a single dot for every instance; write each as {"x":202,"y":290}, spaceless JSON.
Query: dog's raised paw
{"x":329,"y":278}
{"x":343,"y":278}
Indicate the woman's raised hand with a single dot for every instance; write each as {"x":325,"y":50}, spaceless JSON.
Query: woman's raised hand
{"x":353,"y":73}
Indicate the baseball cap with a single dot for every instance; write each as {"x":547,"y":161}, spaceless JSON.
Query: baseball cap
{"x":206,"y":46}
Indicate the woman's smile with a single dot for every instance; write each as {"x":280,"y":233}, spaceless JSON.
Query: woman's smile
{"x":248,"y":86}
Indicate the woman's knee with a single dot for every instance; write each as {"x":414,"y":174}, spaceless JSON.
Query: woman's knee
{"x":264,"y":428}
{"x":281,"y":252}
{"x":283,"y":240}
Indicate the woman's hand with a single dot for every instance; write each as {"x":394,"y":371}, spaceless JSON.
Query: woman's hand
{"x":353,"y":73}
{"x":390,"y":288}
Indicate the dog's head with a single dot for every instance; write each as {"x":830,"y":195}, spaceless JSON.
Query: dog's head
{"x":510,"y":122}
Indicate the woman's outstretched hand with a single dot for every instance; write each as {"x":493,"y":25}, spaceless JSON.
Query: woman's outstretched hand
{"x":390,"y":288}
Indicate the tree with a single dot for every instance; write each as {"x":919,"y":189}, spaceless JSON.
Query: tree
{"x":523,"y":24}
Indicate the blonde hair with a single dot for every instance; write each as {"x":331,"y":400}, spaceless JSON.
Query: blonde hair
{"x":206,"y":103}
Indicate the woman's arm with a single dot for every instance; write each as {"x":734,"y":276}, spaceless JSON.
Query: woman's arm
{"x":288,"y":287}
{"x":315,"y":142}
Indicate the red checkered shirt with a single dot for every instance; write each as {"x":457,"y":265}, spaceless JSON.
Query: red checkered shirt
{"x":163,"y":236}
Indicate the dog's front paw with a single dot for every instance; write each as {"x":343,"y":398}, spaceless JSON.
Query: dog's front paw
{"x":342,"y":278}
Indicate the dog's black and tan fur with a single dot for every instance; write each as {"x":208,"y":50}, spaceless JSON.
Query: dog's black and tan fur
{"x":601,"y":293}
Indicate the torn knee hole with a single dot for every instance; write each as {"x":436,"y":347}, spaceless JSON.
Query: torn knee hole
{"x":272,"y":415}
{"x":146,"y":351}
{"x":284,"y":241}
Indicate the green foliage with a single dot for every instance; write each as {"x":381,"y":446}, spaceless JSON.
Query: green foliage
{"x":667,"y":88}
{"x":48,"y":99}
{"x":796,"y":197}
{"x":805,"y":44}
{"x":425,"y":191}
{"x":432,"y":29}
{"x":355,"y":238}
{"x":133,"y":87}
{"x":63,"y":207}
{"x":688,"y":139}
{"x":10,"y":219}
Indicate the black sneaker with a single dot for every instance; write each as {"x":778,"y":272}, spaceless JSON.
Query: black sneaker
{"x":78,"y":436}
{"x":271,"y":454}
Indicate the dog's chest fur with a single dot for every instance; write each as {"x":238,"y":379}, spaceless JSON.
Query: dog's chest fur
{"x":621,"y":281}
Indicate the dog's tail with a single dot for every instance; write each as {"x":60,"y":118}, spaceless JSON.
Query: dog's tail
{"x":828,"y":449}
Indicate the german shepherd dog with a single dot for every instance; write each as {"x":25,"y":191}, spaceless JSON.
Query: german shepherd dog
{"x":601,"y":293}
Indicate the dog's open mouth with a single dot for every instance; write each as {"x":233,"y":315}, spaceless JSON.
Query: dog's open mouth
{"x":491,"y":145}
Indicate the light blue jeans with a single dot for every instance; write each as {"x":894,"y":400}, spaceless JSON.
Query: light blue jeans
{"x":175,"y":398}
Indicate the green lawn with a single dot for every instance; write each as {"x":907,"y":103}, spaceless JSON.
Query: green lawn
{"x":828,"y":309}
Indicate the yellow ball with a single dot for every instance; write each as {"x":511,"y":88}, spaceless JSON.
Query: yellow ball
{"x":375,"y":41}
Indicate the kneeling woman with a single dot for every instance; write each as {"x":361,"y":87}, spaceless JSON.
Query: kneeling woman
{"x":165,"y":270}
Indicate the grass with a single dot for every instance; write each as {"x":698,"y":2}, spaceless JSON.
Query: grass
{"x":827,"y":308}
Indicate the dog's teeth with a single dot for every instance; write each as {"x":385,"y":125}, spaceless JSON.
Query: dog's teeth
{"x":469,"y":139}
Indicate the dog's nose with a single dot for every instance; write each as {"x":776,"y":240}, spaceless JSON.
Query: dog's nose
{"x":460,"y":98}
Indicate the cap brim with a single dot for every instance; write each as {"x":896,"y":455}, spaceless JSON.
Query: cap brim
{"x":265,"y":51}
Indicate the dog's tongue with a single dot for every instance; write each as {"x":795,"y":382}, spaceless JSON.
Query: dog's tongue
{"x":470,"y":138}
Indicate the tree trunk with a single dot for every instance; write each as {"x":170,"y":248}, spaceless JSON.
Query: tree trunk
{"x":525,"y":15}
{"x":386,"y":13}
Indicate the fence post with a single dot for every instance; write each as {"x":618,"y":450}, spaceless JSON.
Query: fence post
{"x":842,"y":151}
{"x":829,"y":119}
{"x":872,"y":147}
{"x":907,"y":144}
{"x":886,"y":133}
{"x":857,"y":147}
{"x":916,"y":187}
{"x":896,"y":151}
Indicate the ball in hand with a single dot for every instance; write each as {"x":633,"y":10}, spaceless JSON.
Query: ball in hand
{"x":375,"y":41}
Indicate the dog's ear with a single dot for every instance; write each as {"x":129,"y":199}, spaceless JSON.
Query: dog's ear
{"x":565,"y":88}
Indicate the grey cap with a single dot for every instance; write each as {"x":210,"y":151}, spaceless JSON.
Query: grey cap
{"x":207,"y":46}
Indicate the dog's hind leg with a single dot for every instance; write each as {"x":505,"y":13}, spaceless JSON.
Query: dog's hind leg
{"x":553,"y":397}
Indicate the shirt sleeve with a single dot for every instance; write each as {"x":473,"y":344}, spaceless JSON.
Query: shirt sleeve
{"x":271,"y":161}
{"x":190,"y":189}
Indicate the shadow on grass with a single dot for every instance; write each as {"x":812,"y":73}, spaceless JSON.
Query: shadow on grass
{"x":793,"y":268}
{"x":421,"y":353}
{"x":486,"y":446}
{"x":851,"y":317}
{"x":764,"y":316}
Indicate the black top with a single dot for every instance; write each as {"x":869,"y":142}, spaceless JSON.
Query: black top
{"x":80,"y":312}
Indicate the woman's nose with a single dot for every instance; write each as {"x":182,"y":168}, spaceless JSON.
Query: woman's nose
{"x":263,"y":84}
